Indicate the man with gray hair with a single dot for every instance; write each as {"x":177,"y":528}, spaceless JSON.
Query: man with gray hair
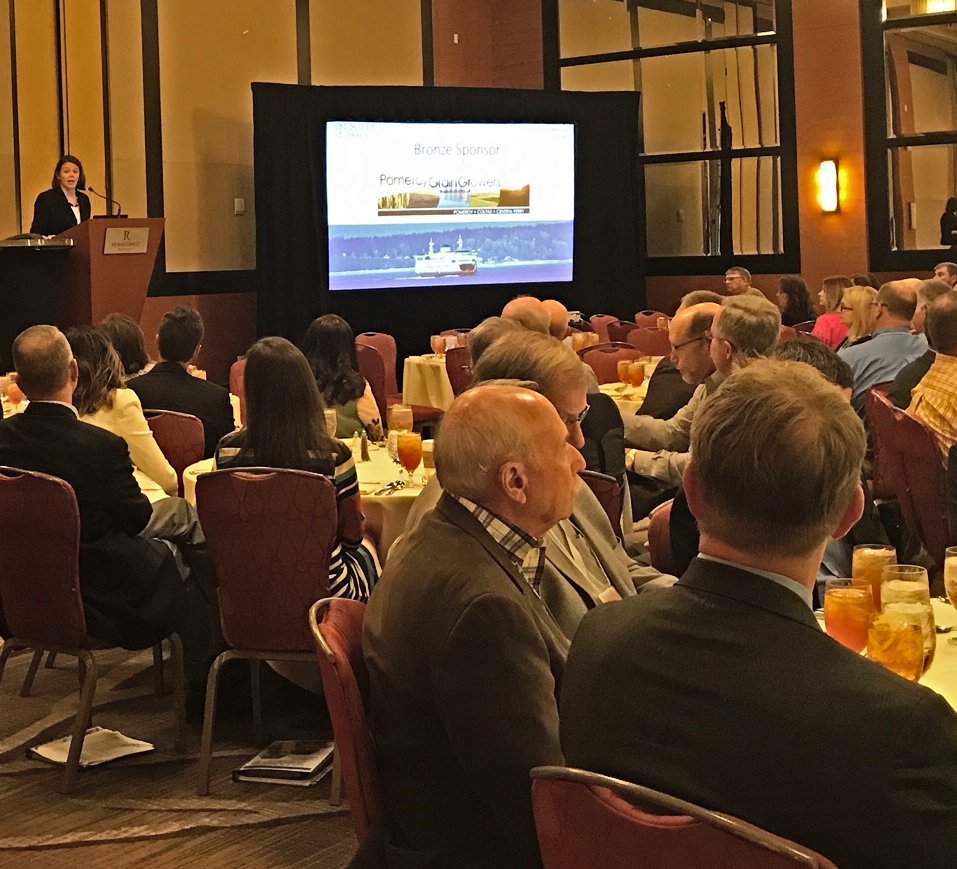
{"x":743,"y":327}
{"x":464,"y":658}
{"x":913,"y":372}
{"x":892,"y":346}
{"x":482,"y":336}
{"x":584,"y":564}
{"x":724,"y":691}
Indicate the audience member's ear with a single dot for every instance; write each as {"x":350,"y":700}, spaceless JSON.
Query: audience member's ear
{"x":852,"y":515}
{"x":513,"y":482}
{"x":692,"y":489}
{"x":74,"y":373}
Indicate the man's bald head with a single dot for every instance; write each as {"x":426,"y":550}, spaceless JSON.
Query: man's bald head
{"x":557,"y":318}
{"x":693,"y":320}
{"x":42,"y":357}
{"x":898,"y":302}
{"x":529,"y":312}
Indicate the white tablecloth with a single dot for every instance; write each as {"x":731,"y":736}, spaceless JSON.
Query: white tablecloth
{"x":942,"y":675}
{"x":385,"y":514}
{"x":627,"y":398}
{"x":425,"y":381}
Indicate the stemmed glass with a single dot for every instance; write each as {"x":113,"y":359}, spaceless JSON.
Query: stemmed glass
{"x":906,"y":589}
{"x":438,"y":345}
{"x":950,"y":580}
{"x":409,"y":448}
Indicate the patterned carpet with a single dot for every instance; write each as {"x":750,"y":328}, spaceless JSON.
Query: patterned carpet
{"x":144,"y":809}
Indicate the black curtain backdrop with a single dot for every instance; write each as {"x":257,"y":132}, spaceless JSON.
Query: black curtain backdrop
{"x":291,"y":243}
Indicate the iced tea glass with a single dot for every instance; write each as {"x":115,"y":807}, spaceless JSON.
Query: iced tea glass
{"x":895,"y":640}
{"x":906,"y":588}
{"x":950,"y":580}
{"x":409,"y":448}
{"x":636,"y":372}
{"x":438,"y":344}
{"x":623,"y":375}
{"x":869,"y":561}
{"x":848,"y":607}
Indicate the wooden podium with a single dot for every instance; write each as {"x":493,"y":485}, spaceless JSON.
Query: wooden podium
{"x":110,"y":267}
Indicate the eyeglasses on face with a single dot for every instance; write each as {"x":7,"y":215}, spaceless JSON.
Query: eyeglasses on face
{"x":710,"y":336}
{"x":577,"y":419}
{"x":677,"y":347}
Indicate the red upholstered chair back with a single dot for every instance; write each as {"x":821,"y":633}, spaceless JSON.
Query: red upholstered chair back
{"x":618,"y":329}
{"x":337,"y":631}
{"x":878,"y":420}
{"x":372,"y":368}
{"x":610,"y":494}
{"x":659,"y":538}
{"x":787,"y":333}
{"x":603,"y":359}
{"x":180,"y":437}
{"x":237,"y":385}
{"x":385,"y":344}
{"x":649,"y":319}
{"x":586,"y":819}
{"x":40,"y":559}
{"x":270,"y":533}
{"x":599,"y":322}
{"x":912,"y":467}
{"x":458,"y":365}
{"x":806,"y":327}
{"x":654,"y":342}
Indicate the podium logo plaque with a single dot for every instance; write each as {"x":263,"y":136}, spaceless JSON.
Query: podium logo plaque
{"x":122,"y":240}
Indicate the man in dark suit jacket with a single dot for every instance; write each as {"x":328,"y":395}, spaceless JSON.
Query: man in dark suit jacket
{"x":464,"y":659}
{"x":132,"y":591}
{"x":170,"y":386}
{"x":723,"y":689}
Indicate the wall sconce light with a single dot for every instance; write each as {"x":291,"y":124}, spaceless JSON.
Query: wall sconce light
{"x":828,"y":187}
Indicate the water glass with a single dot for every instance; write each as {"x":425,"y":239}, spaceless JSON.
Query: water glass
{"x":331,"y":420}
{"x":905,"y":588}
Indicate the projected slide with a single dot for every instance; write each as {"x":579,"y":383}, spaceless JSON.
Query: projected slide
{"x":426,"y":204}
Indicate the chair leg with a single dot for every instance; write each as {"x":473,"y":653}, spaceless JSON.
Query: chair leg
{"x":179,"y":690}
{"x":6,"y":647}
{"x":335,"y":791}
{"x":209,"y":720}
{"x":81,"y":722}
{"x":31,"y":673}
{"x":51,"y":661}
{"x":158,"y":685}
{"x":255,"y":682}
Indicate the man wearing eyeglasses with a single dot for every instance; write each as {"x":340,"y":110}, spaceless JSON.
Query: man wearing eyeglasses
{"x":892,"y":347}
{"x":737,"y":281}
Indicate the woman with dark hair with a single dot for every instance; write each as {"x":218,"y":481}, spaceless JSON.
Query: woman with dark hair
{"x":830,"y":327}
{"x":330,"y":349}
{"x":948,"y":223}
{"x":285,"y":428}
{"x":794,"y":301}
{"x":863,"y":279}
{"x":101,"y":399}
{"x":63,"y":206}
{"x":128,"y":341}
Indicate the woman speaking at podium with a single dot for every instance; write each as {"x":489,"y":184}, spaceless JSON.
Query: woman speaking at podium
{"x":63,"y":206}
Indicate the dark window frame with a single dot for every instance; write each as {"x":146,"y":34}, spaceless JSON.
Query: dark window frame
{"x":786,"y":151}
{"x":878,"y":144}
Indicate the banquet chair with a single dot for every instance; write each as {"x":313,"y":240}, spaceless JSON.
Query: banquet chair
{"x":806,"y":327}
{"x":385,"y":344}
{"x":649,"y":319}
{"x":610,"y":493}
{"x":40,"y":595}
{"x":599,"y":322}
{"x":458,"y":366}
{"x":787,"y":333}
{"x":880,"y":484}
{"x":270,"y":533}
{"x":604,"y":358}
{"x":618,"y":330}
{"x":336,"y":626}
{"x":373,"y":368}
{"x":461,"y":334}
{"x":913,"y":467}
{"x":586,"y":819}
{"x":653,"y":342}
{"x":180,"y":437}
{"x":659,"y":538}
{"x":237,"y":385}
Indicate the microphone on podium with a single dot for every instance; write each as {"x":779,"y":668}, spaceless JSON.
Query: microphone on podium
{"x":111,"y":202}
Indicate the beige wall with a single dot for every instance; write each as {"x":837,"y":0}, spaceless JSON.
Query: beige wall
{"x":9,"y":223}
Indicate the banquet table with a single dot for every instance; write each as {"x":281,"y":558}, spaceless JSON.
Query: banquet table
{"x":385,"y":514}
{"x":425,"y":381}
{"x":629,"y":398}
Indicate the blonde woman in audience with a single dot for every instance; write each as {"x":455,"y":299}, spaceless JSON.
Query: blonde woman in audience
{"x":101,"y":399}
{"x":830,"y":327}
{"x":858,"y":314}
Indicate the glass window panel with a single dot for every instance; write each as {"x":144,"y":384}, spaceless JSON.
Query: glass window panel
{"x":681,"y":208}
{"x":593,"y":27}
{"x":745,"y":79}
{"x":906,"y":8}
{"x":921,"y":69}
{"x":921,"y":180}
{"x":756,"y":198}
{"x":618,"y":75}
{"x":692,"y":20}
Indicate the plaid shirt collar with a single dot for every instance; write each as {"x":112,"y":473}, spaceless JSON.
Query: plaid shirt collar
{"x":527,"y":552}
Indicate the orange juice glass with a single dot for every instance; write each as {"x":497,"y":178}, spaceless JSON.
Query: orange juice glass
{"x":438,"y":344}
{"x":869,"y":561}
{"x":847,"y":612}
